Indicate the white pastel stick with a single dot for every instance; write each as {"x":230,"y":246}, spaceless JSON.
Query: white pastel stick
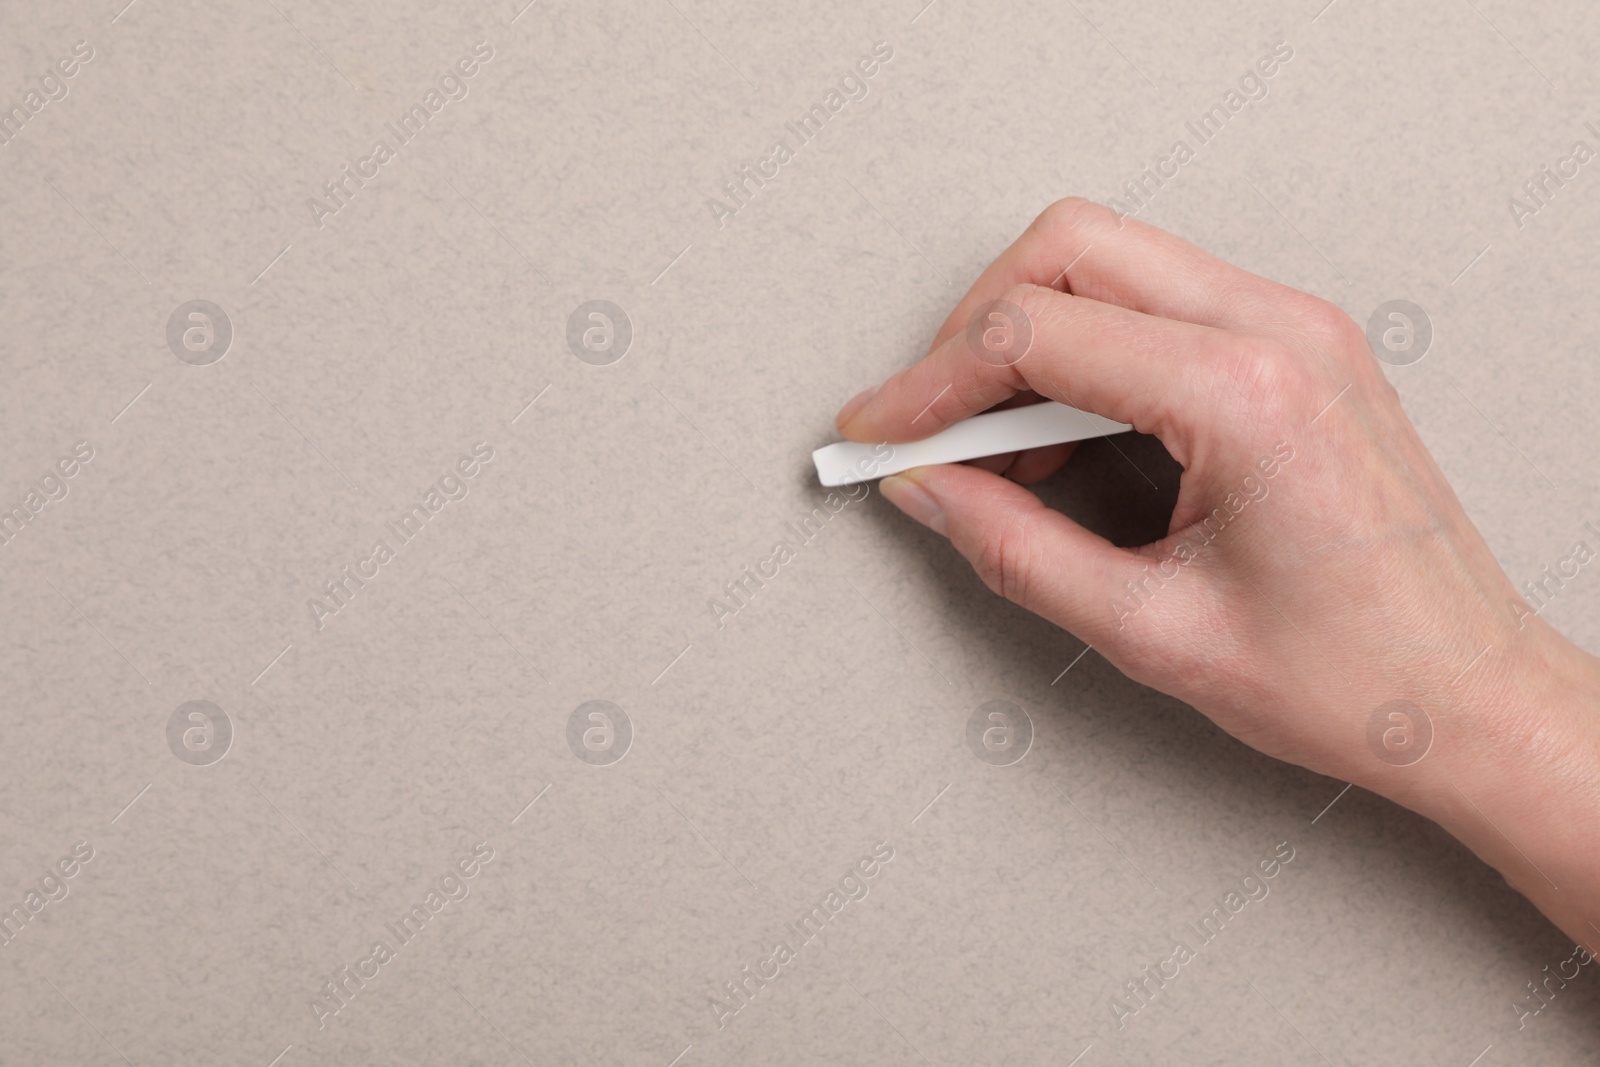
{"x":993,"y":433}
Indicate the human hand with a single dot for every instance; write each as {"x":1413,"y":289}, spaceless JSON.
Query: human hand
{"x":1317,"y":567}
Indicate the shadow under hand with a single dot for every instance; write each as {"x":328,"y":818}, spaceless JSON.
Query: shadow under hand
{"x":1179,"y":788}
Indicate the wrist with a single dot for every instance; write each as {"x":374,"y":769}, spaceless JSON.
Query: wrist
{"x":1515,"y":773}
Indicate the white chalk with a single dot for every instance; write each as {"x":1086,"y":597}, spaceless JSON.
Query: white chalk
{"x":993,"y":433}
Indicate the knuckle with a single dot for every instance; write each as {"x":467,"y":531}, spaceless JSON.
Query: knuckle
{"x":1034,"y":301}
{"x":951,"y":405}
{"x":1335,"y":331}
{"x":1004,"y":560}
{"x":1036,"y":305}
{"x":1345,"y":353}
{"x":1263,"y":376}
{"x":1071,"y":216}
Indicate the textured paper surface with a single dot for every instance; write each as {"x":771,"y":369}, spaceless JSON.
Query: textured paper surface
{"x":377,"y":340}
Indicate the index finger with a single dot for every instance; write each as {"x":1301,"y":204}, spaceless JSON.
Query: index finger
{"x":1155,"y":374}
{"x":1087,"y":249}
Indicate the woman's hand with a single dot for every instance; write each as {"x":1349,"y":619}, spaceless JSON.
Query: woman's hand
{"x":1321,"y":594}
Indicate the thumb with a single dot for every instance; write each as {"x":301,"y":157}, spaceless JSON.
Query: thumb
{"x":1026,"y":552}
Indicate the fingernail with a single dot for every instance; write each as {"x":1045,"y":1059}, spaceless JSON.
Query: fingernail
{"x":905,"y":494}
{"x":853,"y":405}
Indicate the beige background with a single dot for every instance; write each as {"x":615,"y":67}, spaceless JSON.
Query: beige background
{"x":830,"y":714}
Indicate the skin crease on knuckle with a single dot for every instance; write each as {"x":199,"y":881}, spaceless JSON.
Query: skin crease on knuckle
{"x":1332,"y":332}
{"x":1264,"y":387}
{"x":1071,"y":217}
{"x":1006,"y":557}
